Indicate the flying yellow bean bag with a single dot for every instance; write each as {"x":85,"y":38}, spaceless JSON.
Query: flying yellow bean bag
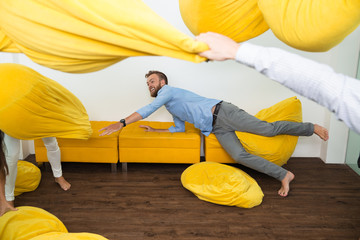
{"x":311,"y":25}
{"x":28,"y":177}
{"x":33,"y":106}
{"x":277,"y":149}
{"x":238,"y":19}
{"x":84,"y":36}
{"x":222,"y":184}
{"x":28,"y":222}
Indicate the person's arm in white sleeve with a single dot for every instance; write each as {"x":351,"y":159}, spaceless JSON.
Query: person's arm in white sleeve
{"x":318,"y":82}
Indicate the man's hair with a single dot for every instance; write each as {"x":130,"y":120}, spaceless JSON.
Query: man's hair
{"x":161,"y":75}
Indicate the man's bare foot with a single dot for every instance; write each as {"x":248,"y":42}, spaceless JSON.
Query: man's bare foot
{"x":65,"y":185}
{"x":321,"y":132}
{"x":6,"y":206}
{"x":285,"y":184}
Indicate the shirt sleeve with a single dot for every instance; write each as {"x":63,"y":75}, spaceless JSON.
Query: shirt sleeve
{"x":337,"y":92}
{"x":179,"y":125}
{"x":163,"y":97}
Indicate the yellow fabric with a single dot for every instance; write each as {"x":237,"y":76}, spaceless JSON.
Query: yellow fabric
{"x":222,"y":184}
{"x":6,"y":45}
{"x":96,"y":149}
{"x":84,"y":36}
{"x":33,"y":106}
{"x":28,"y":222}
{"x":69,"y":236}
{"x":312,"y":25}
{"x":28,"y":177}
{"x":238,"y":19}
{"x":137,"y":145}
{"x":277,"y":149}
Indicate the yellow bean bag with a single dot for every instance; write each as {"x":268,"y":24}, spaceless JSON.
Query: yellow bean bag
{"x":222,"y":184}
{"x":311,"y":25}
{"x":33,"y":106}
{"x":84,"y":36}
{"x":28,"y":177}
{"x":69,"y":236}
{"x":238,"y":19}
{"x":28,"y":222}
{"x":277,"y":149}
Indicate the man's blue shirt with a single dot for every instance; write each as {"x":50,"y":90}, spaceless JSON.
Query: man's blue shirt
{"x":184,"y":106}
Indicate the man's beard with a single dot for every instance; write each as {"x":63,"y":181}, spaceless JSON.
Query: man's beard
{"x":155,"y":93}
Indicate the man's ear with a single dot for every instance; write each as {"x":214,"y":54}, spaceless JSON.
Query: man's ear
{"x":162,"y":82}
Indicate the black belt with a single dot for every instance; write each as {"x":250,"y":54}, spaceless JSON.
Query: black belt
{"x":217,"y":107}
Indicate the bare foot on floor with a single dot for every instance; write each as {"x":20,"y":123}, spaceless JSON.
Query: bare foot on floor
{"x":321,"y":132}
{"x":65,"y":185}
{"x":285,"y":184}
{"x":6,"y":207}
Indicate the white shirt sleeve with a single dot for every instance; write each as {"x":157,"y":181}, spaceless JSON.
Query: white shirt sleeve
{"x":337,"y":92}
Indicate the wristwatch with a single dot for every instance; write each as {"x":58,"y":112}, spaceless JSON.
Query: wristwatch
{"x":123,"y":122}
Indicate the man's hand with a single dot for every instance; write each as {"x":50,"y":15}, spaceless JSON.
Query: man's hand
{"x":147,"y":128}
{"x":221,"y":47}
{"x":111,"y":129}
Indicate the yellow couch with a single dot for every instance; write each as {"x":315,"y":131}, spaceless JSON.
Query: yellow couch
{"x":96,"y":149}
{"x":137,"y":145}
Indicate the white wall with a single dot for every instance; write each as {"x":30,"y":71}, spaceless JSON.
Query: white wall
{"x":119,"y":90}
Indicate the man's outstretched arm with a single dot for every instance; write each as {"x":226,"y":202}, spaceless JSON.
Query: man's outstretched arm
{"x":118,"y":126}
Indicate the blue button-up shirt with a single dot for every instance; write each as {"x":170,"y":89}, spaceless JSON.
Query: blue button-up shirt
{"x":185,"y":106}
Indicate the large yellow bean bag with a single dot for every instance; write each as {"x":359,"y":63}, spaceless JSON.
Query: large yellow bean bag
{"x":222,"y":184}
{"x":69,"y":236}
{"x":238,"y":19}
{"x":88,"y":35}
{"x":31,"y":223}
{"x":311,"y":25}
{"x":277,"y":149}
{"x":28,"y":177}
{"x":28,"y":222}
{"x":33,"y":106}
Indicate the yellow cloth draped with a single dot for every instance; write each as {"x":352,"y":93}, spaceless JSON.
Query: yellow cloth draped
{"x":33,"y":106}
{"x":83,"y":36}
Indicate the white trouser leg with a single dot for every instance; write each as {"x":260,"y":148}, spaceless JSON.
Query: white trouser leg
{"x":54,"y":155}
{"x":12,"y":151}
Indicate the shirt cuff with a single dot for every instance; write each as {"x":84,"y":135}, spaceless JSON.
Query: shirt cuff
{"x":247,"y":53}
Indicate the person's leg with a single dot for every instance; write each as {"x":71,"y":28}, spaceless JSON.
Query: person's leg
{"x":232,"y":145}
{"x":12,"y":151}
{"x":54,"y":157}
{"x":236,"y":119}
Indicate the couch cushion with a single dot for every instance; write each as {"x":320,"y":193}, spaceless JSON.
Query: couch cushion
{"x":133,"y":136}
{"x":137,"y":145}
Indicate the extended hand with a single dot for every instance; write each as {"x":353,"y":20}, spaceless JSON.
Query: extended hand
{"x":111,"y":129}
{"x":221,"y":47}
{"x":148,"y":128}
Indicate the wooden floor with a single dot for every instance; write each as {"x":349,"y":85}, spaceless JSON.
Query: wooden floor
{"x":149,"y":202}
